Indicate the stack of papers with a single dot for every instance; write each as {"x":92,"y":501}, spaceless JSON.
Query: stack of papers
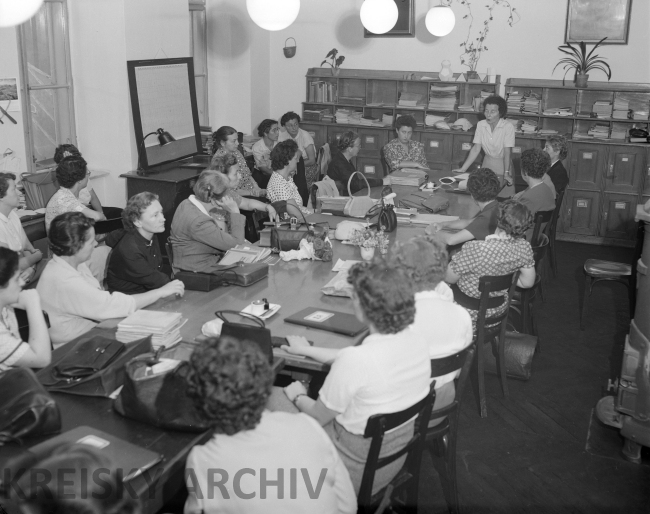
{"x":546,"y":132}
{"x":442,"y":98}
{"x":558,"y":111}
{"x":529,"y":126}
{"x":640,"y":115}
{"x":514,"y":101}
{"x":164,"y":327}
{"x":602,"y":109}
{"x":407,"y":177}
{"x":599,"y":131}
{"x":531,"y":104}
{"x":410,"y":99}
{"x":516,"y":124}
{"x":346,"y":116}
{"x":621,"y":109}
{"x":466,"y":107}
{"x":245,"y":254}
{"x":430,"y":120}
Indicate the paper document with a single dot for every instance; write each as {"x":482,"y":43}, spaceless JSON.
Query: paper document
{"x":342,"y":265}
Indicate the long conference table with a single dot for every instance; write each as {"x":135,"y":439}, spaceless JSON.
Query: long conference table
{"x":294,"y":285}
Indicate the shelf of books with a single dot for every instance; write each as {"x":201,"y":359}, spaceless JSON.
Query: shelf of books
{"x":375,"y":97}
{"x":604,"y":111}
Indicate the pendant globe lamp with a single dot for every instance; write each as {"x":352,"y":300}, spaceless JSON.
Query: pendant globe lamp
{"x":440,"y":20}
{"x":15,"y":12}
{"x":379,"y":16}
{"x":273,"y":14}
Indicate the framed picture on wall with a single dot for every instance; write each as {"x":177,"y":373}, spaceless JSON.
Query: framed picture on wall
{"x":592,"y":20}
{"x":405,"y":26}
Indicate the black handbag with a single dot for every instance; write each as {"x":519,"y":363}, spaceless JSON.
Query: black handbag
{"x":94,"y":366}
{"x":254,"y":330}
{"x":26,"y":409}
{"x":284,"y":239}
{"x":160,"y":399}
{"x":386,"y":217}
{"x":235,"y":275}
{"x":519,"y":352}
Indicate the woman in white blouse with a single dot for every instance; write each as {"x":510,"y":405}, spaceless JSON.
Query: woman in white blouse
{"x":290,"y":121}
{"x":284,"y":161}
{"x":269,"y":132}
{"x":72,"y":297}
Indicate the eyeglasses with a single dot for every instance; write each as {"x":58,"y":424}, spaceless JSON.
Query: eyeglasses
{"x":491,"y":111}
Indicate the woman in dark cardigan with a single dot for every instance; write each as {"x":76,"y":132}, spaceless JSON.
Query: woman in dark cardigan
{"x":340,"y":168}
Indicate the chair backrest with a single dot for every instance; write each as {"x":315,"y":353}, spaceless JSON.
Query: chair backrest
{"x":170,"y":255}
{"x":377,"y":426}
{"x":491,"y":284}
{"x":541,"y":217}
{"x":384,"y":162}
{"x":539,"y":250}
{"x":323,"y":160}
{"x":459,"y":361}
{"x":39,"y":188}
{"x":550,"y":227}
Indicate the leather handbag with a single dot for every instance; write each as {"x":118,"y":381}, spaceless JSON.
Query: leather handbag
{"x":236,"y":275}
{"x":424,"y":203}
{"x":386,"y":217}
{"x":358,"y":206}
{"x":94,"y":366}
{"x":26,"y":409}
{"x":253,"y":330}
{"x":519,"y":352}
{"x":284,"y":239}
{"x":160,"y":399}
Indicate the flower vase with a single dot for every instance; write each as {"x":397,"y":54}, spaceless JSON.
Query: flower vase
{"x":582,"y":80}
{"x":336,"y":71}
{"x":445,"y":73}
{"x":367,"y":253}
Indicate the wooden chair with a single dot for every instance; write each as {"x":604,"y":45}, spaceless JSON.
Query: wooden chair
{"x":441,"y":439}
{"x":402,"y":491}
{"x":597,"y":270}
{"x":550,"y":232}
{"x":492,"y":329}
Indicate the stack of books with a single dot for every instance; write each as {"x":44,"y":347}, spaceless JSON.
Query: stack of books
{"x":442,"y":98}
{"x":321,"y":91}
{"x":407,"y":177}
{"x":164,"y":327}
{"x":621,"y":109}
{"x":244,"y":254}
{"x":602,"y":109}
{"x":640,"y":115}
{"x":529,"y":126}
{"x":531,"y":104}
{"x":599,"y":131}
{"x":410,"y":100}
{"x":514,"y":101}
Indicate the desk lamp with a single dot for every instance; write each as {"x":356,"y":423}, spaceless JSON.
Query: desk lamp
{"x":164,"y":138}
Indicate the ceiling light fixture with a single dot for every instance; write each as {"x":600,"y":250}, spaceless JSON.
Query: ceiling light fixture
{"x":273,"y":14}
{"x":440,"y":20}
{"x":15,"y":12}
{"x":379,"y":16}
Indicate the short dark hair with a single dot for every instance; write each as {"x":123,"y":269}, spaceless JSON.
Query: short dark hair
{"x":230,"y":382}
{"x":70,"y":489}
{"x":424,"y":260}
{"x":535,"y":162}
{"x":282,"y":153}
{"x":346,"y":140}
{"x":71,"y":170}
{"x":499,"y":102}
{"x":8,"y":265}
{"x":483,"y":184}
{"x":288,"y":116}
{"x":4,"y":182}
{"x":559,"y":144}
{"x":220,"y":135}
{"x":514,"y":218}
{"x":223,"y":162}
{"x":385,"y":295}
{"x":210,"y":184}
{"x":68,"y":233}
{"x":136,"y":205}
{"x":265,"y":127}
{"x":405,"y":121}
{"x":65,"y":150}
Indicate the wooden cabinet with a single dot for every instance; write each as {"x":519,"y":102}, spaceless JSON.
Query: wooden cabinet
{"x":587,"y":165}
{"x":372,"y":140}
{"x":371,"y":167}
{"x":625,"y":168}
{"x":460,"y":148}
{"x":437,"y":147}
{"x":617,"y":220}
{"x":580,"y":212}
{"x":317,"y":132}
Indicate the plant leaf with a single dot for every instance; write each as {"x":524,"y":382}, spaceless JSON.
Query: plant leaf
{"x":324,"y":62}
{"x":339,"y":60}
{"x":596,"y":46}
{"x":331,"y":53}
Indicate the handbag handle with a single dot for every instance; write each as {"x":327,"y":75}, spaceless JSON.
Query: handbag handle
{"x":364,"y":178}
{"x":251,"y":317}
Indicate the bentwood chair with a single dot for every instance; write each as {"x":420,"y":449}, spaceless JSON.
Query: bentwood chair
{"x":401,"y":494}
{"x":441,"y":439}
{"x":550,"y":232}
{"x":490,"y":329}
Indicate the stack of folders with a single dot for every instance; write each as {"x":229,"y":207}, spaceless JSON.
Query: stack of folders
{"x":245,"y":254}
{"x":621,"y":110}
{"x":442,"y":98}
{"x":407,"y":177}
{"x":618,"y":132}
{"x":514,"y":101}
{"x":558,"y":111}
{"x":531,"y":104}
{"x":529,"y":126}
{"x":599,"y":131}
{"x":640,"y":115}
{"x":164,"y":327}
{"x":410,"y":100}
{"x":602,"y":109}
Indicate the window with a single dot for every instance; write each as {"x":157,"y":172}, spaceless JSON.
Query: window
{"x":199,"y":51}
{"x":44,"y":48}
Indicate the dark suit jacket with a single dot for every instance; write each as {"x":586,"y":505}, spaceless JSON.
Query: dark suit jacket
{"x":559,"y":176}
{"x":340,"y":169}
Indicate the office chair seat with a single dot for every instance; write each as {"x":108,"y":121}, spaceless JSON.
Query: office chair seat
{"x":599,"y":268}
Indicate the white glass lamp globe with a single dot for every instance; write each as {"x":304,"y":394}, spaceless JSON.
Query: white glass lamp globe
{"x":273,"y":14}
{"x":379,"y":16}
{"x":440,"y":20}
{"x":15,"y":12}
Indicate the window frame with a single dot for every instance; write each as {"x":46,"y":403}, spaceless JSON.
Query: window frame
{"x":57,"y":61}
{"x":199,"y":6}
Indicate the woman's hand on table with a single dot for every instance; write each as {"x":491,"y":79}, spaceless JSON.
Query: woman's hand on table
{"x":294,"y":390}
{"x":458,"y":170}
{"x":296,"y":345}
{"x":173,"y":287}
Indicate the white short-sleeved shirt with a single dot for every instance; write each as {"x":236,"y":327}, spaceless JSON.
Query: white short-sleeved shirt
{"x":280,"y":189}
{"x":386,"y":373}
{"x":303,"y":140}
{"x":12,"y":347}
{"x":493,"y":142}
{"x":61,"y":202}
{"x":262,"y":153}
{"x":85,"y":195}
{"x":12,"y":233}
{"x":280,"y":441}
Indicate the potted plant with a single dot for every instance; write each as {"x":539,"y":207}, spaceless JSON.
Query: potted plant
{"x":367,"y":240}
{"x":336,"y":61}
{"x":582,"y":62}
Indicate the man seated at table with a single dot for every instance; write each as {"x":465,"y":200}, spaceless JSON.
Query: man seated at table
{"x":538,"y":196}
{"x":230,"y":383}
{"x":12,"y":234}
{"x":484,"y":186}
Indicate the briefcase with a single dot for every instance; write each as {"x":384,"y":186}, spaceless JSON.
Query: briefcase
{"x":519,"y":352}
{"x":235,"y":275}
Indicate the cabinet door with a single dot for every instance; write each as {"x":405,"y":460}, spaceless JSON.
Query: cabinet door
{"x":625,"y":167}
{"x":618,"y":216}
{"x":372,"y":141}
{"x":587,"y":164}
{"x":580,"y":214}
{"x":371,"y":167}
{"x":521,"y":145}
{"x":437,"y":146}
{"x":334,"y":133}
{"x":317,"y":132}
{"x":462,"y":144}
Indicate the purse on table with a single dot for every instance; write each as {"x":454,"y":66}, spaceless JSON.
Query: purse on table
{"x":358,"y":206}
{"x":94,"y":366}
{"x":160,"y":398}
{"x":386,"y":217}
{"x":253,"y":330}
{"x":285,"y":239}
{"x":26,"y":409}
{"x":236,"y":275}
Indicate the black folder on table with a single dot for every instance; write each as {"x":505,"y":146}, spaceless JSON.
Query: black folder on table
{"x":325,"y":319}
{"x":133,"y":460}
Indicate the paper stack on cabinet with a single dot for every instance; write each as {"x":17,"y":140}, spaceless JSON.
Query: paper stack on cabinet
{"x":407,"y":177}
{"x":442,"y":98}
{"x":164,"y":327}
{"x":602,"y":109}
{"x":599,"y":131}
{"x":410,"y":100}
{"x":514,"y":101}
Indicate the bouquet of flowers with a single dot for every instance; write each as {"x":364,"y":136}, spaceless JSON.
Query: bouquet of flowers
{"x":312,"y":246}
{"x":369,"y":238}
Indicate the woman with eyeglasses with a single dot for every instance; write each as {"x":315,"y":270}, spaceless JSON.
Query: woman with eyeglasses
{"x":496,"y":137}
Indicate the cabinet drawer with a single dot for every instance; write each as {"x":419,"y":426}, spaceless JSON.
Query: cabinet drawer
{"x":317,"y":132}
{"x":372,"y":140}
{"x":437,"y":147}
{"x":618,"y":216}
{"x":461,"y":145}
{"x":580,"y":212}
{"x":587,"y":165}
{"x":625,"y":167}
{"x":371,"y":167}
{"x":334,"y":134}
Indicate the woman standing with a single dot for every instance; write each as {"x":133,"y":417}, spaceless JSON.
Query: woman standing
{"x":225,"y":141}
{"x":307,"y":170}
{"x":496,"y":137}
{"x":401,"y":152}
{"x":269,"y":132}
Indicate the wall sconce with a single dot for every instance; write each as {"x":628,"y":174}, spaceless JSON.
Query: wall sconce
{"x":15,"y":12}
{"x":379,"y":16}
{"x":440,"y":20}
{"x":273,"y":14}
{"x":164,"y":138}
